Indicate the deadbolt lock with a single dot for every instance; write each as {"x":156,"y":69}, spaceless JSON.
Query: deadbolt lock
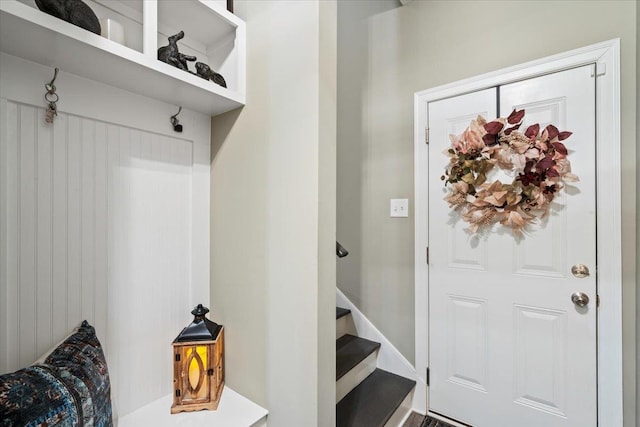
{"x":580,"y":271}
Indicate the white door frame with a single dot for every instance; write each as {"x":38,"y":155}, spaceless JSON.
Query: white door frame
{"x":606,"y":56}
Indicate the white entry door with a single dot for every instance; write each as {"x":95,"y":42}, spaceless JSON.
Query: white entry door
{"x":507,"y":346}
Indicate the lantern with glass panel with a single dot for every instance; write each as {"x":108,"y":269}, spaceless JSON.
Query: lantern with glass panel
{"x":198,"y":364}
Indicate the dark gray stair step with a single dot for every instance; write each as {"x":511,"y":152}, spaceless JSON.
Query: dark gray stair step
{"x":373,"y":401}
{"x":341,"y":312}
{"x":351,"y":350}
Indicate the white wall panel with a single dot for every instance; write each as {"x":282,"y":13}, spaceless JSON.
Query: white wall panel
{"x":44,"y":235}
{"x":98,"y":223}
{"x":26,"y":224}
{"x":141,"y":197}
{"x":10,"y":232}
{"x":60,"y":199}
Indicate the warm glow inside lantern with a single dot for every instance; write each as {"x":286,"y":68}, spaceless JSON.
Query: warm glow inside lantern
{"x":198,"y":364}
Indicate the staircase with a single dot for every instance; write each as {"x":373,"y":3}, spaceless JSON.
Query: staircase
{"x":366,"y":396}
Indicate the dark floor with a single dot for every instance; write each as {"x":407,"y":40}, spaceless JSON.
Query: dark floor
{"x":417,"y":420}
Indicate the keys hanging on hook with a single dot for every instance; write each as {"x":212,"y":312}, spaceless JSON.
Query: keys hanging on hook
{"x":52,"y":98}
{"x":52,"y":111}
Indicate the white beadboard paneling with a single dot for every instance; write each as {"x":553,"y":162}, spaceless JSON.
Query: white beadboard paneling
{"x":60,"y":227}
{"x":3,"y":235}
{"x":11,"y":212}
{"x":122,"y":212}
{"x":44,"y":235}
{"x":101,"y":255}
{"x":74,"y":221}
{"x":87,"y":217}
{"x":27,"y":228}
{"x":98,"y":222}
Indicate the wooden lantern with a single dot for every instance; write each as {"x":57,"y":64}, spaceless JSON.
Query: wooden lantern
{"x":198,"y":364}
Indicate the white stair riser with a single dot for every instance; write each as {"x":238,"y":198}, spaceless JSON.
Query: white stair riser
{"x":402,"y":413}
{"x":355,"y":376}
{"x":345,"y":325}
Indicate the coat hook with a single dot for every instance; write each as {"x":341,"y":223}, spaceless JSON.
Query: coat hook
{"x":50,"y":87}
{"x":175,"y":122}
{"x":52,"y":98}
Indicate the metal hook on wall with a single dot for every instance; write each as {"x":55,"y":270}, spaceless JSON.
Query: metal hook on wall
{"x":51,"y":87}
{"x":52,"y":98}
{"x":175,"y":122}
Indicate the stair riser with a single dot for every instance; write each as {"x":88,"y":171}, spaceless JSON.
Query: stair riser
{"x":351,"y":379}
{"x":402,"y":413}
{"x":345,"y":325}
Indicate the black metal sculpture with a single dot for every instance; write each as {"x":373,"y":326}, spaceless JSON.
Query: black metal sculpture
{"x":73,"y":11}
{"x":172,"y":56}
{"x":204,"y":71}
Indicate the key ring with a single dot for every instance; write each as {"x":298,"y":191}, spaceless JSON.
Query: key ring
{"x":51,"y":97}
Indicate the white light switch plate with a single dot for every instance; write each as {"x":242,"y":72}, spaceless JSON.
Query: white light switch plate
{"x":399,"y":208}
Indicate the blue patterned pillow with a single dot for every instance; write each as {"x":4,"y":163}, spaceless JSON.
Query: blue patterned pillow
{"x":35,"y":396}
{"x":71,"y":387}
{"x":80,"y":363}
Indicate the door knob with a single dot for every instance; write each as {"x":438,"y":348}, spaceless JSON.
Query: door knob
{"x":580,"y":299}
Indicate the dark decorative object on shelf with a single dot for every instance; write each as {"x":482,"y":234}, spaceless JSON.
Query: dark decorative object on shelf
{"x":230,"y":5}
{"x":207,"y":73}
{"x":172,"y":56}
{"x":73,"y":11}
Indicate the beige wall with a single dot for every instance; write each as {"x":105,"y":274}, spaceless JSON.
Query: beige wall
{"x":327,"y":221}
{"x":397,"y":52}
{"x":375,"y":164}
{"x":272,"y":256}
{"x":637,"y":210}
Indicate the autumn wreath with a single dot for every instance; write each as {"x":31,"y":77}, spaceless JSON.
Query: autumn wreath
{"x":538,"y":162}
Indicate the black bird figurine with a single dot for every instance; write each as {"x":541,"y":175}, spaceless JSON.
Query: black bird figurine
{"x":172,"y":56}
{"x":74,"y":11}
{"x":204,"y":71}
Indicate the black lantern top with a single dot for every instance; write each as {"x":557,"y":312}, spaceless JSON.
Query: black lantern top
{"x":201,"y":329}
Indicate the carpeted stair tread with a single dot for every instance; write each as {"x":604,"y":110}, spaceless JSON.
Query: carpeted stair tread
{"x":373,"y":402}
{"x":341,"y":312}
{"x":417,"y":420}
{"x":351,"y":350}
{"x":432,"y":422}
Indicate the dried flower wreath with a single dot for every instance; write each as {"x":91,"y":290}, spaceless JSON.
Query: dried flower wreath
{"x":537,"y":160}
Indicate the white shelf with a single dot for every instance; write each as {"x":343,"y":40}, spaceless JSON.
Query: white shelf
{"x":234,"y":410}
{"x":28,"y":33}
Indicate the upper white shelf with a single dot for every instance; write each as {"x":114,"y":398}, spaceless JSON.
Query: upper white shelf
{"x":212,"y":34}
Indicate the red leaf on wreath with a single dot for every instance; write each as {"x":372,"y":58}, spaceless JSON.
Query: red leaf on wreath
{"x":493,"y":128}
{"x":546,"y":163}
{"x":515,"y":117}
{"x":532,"y":131}
{"x":552,"y":173}
{"x":552,"y":131}
{"x":511,"y":129}
{"x":490,"y":139}
{"x":560,"y":148}
{"x":564,"y":135}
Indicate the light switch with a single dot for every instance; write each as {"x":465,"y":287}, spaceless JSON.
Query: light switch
{"x":399,"y":208}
